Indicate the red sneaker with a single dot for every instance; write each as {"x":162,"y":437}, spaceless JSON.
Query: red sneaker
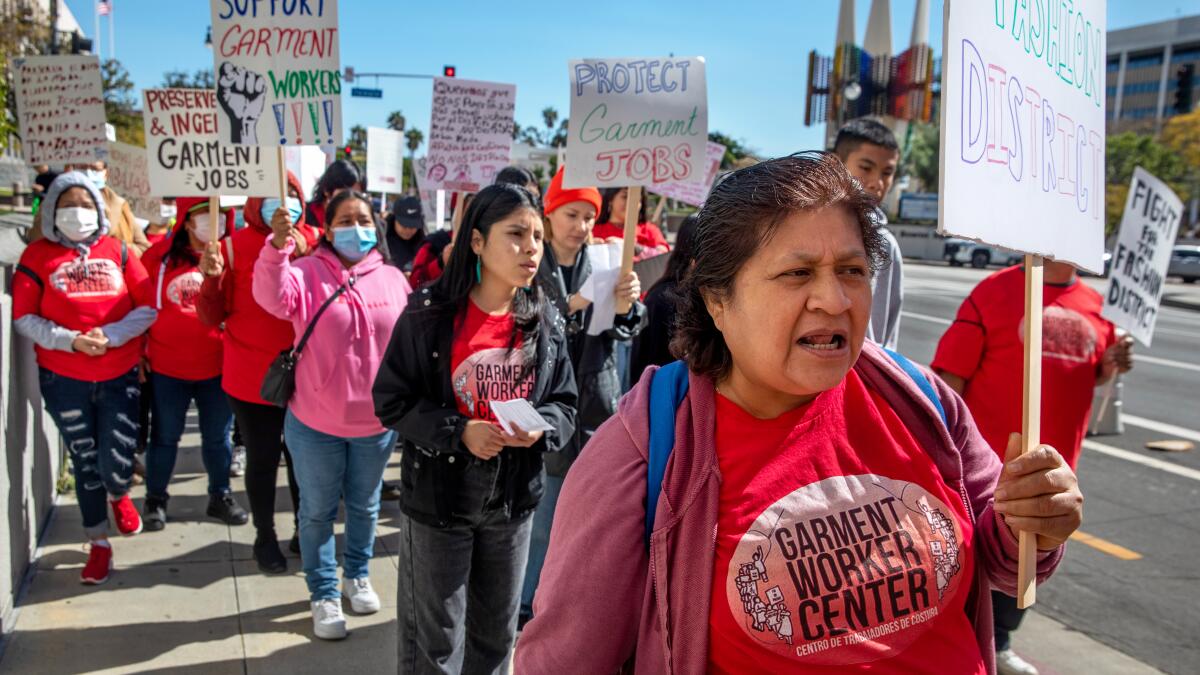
{"x":129,"y":522}
{"x":99,"y":564}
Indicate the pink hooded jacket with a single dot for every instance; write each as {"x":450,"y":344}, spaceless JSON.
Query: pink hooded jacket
{"x":337,"y":367}
{"x":604,"y":602}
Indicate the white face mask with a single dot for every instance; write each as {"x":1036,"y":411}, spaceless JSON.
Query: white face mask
{"x":202,"y":229}
{"x":77,"y":223}
{"x":166,"y":213}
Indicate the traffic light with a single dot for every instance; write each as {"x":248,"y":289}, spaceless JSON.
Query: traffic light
{"x":449,"y":71}
{"x":348,"y":151}
{"x":80,"y":44}
{"x":1184,"y":77}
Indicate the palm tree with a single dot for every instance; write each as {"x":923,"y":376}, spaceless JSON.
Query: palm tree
{"x":396,"y":121}
{"x":549,"y":116}
{"x":414,"y":138}
{"x":358,"y":137}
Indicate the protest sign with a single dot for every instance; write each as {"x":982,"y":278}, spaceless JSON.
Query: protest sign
{"x":60,"y":108}
{"x":186,"y":157}
{"x":129,"y":177}
{"x":307,"y":163}
{"x":637,"y":122}
{"x":1022,"y":158}
{"x":1023,"y":127}
{"x":1142,"y":254}
{"x":385,"y":160}
{"x":279,"y":61}
{"x":428,"y":197}
{"x":695,"y":193}
{"x":470,"y":133}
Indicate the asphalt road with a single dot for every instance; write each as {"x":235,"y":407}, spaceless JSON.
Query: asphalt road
{"x":1138,"y":502}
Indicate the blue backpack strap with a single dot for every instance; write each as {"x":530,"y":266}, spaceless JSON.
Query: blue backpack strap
{"x":920,"y":380}
{"x":667,"y":389}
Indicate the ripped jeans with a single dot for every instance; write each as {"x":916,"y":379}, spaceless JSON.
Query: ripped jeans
{"x":99,"y":424}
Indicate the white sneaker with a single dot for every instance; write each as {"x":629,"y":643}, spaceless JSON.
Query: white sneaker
{"x":363,"y":598}
{"x":237,"y":466}
{"x":328,"y":621}
{"x":1008,"y":663}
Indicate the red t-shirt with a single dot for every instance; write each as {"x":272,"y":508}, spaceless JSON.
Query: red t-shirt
{"x":156,"y":239}
{"x":839,"y":546}
{"x":648,"y":234}
{"x":985,"y":346}
{"x":82,"y":295}
{"x":180,"y":345}
{"x":485,"y":368}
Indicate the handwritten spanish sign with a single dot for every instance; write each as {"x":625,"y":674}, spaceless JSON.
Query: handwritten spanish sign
{"x":60,"y":106}
{"x":1142,"y":255}
{"x":129,"y":176}
{"x":1023,"y":127}
{"x":637,"y":122}
{"x":385,"y":160}
{"x":186,"y":157}
{"x":696,"y":192}
{"x":278,"y":71}
{"x":470,"y":133}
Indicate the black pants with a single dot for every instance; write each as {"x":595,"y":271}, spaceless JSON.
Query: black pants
{"x":262,"y":430}
{"x":1006,"y":618}
{"x":143,"y":439}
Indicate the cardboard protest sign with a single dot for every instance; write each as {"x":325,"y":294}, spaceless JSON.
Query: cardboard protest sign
{"x":637,"y":122}
{"x":278,"y":72}
{"x":186,"y":157}
{"x":1142,"y":254}
{"x":470,"y":133}
{"x":1023,"y":127}
{"x":60,"y":108}
{"x":428,"y":197}
{"x":696,"y":192}
{"x":129,"y":177}
{"x":307,"y":163}
{"x":385,"y":160}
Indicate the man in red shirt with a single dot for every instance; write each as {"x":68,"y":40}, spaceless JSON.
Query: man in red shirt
{"x":981,"y":356}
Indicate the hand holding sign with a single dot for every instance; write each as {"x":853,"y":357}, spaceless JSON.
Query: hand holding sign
{"x":242,"y":94}
{"x":1039,"y":494}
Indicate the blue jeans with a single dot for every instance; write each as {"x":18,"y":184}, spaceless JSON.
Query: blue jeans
{"x":98,"y":423}
{"x":329,"y":468}
{"x":172,"y":396}
{"x":539,"y":541}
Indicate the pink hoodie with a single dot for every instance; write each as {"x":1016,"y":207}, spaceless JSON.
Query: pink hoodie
{"x":603,"y":601}
{"x":337,"y":368}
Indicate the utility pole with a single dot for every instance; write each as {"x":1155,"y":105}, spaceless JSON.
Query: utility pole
{"x":54,"y":26}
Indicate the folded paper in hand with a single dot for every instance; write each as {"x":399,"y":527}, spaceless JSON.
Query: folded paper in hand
{"x":601,"y":287}
{"x":521,"y":413}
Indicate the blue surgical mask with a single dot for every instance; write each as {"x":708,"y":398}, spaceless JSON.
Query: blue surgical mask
{"x":239,"y":219}
{"x":354,"y":243}
{"x":98,"y":178}
{"x":271,"y":204}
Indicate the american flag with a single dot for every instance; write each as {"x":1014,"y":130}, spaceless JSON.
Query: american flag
{"x":103,"y":7}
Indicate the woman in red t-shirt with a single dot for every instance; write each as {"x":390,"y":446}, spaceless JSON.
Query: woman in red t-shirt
{"x":480,"y":336}
{"x":827,"y":507}
{"x":80,"y":296}
{"x":184,"y":358}
{"x":611,"y":224}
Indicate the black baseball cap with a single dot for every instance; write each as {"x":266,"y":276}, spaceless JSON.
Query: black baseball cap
{"x":407,"y":211}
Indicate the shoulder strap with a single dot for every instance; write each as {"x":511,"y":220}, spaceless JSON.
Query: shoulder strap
{"x":124,"y":255}
{"x":920,"y":380}
{"x":313,"y":322}
{"x":667,"y":389}
{"x":32,"y":275}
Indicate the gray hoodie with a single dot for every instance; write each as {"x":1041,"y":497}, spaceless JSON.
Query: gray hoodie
{"x":49,"y":335}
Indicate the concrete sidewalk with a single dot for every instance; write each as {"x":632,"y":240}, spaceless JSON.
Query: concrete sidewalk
{"x":190,"y":599}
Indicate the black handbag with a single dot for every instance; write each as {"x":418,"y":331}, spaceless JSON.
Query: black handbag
{"x":280,"y":381}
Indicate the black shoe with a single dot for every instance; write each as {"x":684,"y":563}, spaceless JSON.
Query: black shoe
{"x":294,"y":544}
{"x":390,"y":492}
{"x":227,"y":510}
{"x":270,"y":560}
{"x":154,"y":514}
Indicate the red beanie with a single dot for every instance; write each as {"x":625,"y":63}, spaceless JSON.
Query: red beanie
{"x":556,"y":196}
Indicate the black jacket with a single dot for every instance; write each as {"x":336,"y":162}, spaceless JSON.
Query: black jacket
{"x":653,"y":346}
{"x":593,"y":356}
{"x":414,"y":395}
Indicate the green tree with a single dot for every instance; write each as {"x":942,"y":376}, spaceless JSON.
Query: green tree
{"x":396,"y":121}
{"x":414,"y":139}
{"x":735,"y":150}
{"x":120,"y":103}
{"x":178,"y":79}
{"x":1125,"y":151}
{"x":24,"y":30}
{"x":922,"y":161}
{"x":358,"y":137}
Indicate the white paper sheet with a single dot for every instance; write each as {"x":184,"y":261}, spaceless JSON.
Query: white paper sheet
{"x":601,"y":286}
{"x":520,"y":412}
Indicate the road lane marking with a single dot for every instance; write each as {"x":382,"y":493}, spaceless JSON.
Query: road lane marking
{"x":926,"y":317}
{"x":1160,"y":427}
{"x":1165,"y":362}
{"x":1115,"y":550}
{"x":1151,"y":462}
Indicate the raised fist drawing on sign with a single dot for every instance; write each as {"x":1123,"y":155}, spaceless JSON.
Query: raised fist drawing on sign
{"x":242,"y":94}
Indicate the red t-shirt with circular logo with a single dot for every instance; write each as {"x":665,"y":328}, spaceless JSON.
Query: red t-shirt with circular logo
{"x":487,"y":364}
{"x":839,"y":546}
{"x":180,"y":345}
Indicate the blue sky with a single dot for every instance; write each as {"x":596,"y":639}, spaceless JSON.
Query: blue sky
{"x":757,"y":51}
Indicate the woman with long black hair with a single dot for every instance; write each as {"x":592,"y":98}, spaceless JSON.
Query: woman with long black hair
{"x":481,"y":335}
{"x":340,"y":176}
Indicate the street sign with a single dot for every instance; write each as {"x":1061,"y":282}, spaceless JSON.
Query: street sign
{"x":359,"y":92}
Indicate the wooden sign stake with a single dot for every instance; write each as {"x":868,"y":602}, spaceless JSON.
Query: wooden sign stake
{"x":1031,"y":418}
{"x":633,"y":206}
{"x":283,"y":181}
{"x":214,"y":212}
